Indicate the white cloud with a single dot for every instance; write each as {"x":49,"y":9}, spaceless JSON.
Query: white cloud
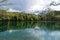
{"x":40,"y":5}
{"x":57,"y":8}
{"x":12,"y":10}
{"x":35,"y":5}
{"x":36,"y":8}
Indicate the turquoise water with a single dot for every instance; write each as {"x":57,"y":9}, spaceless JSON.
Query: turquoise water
{"x":29,"y":30}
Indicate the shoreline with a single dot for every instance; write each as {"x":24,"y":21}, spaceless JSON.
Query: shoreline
{"x":28,"y":21}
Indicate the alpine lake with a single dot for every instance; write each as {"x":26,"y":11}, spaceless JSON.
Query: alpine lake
{"x":28,"y":30}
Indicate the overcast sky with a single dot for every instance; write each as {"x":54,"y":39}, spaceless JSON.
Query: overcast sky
{"x":29,"y":5}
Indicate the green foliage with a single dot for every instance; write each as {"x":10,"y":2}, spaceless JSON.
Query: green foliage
{"x":20,"y":16}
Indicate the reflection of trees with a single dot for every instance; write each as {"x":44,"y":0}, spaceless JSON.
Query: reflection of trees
{"x":14,"y":25}
{"x":51,"y":25}
{"x":3,"y":25}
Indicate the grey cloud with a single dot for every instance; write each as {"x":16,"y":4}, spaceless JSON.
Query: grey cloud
{"x":24,"y":5}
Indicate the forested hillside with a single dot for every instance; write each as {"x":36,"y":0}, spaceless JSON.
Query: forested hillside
{"x":20,"y":16}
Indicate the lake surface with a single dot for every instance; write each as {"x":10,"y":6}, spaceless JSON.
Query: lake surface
{"x":13,"y":30}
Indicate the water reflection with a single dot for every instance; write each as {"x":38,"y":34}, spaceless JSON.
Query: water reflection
{"x":12,"y":25}
{"x":29,"y":30}
{"x":30,"y":34}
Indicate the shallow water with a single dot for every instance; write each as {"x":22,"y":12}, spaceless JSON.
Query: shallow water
{"x":29,"y":30}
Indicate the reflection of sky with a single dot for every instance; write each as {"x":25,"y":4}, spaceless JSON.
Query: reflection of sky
{"x":29,"y":5}
{"x":30,"y":34}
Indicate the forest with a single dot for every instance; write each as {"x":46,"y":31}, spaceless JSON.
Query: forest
{"x":20,"y":16}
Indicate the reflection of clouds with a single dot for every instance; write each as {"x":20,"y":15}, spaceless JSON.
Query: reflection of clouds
{"x":55,"y":33}
{"x":36,"y":31}
{"x":10,"y":31}
{"x":30,"y":34}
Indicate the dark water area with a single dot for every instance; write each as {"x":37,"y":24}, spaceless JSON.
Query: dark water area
{"x":15,"y":30}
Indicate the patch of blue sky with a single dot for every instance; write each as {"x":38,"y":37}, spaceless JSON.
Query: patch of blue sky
{"x":29,"y":5}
